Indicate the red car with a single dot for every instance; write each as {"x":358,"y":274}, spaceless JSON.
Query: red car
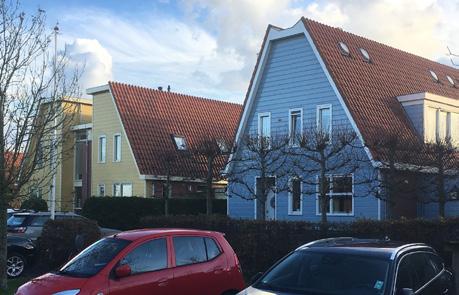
{"x":150,"y":261}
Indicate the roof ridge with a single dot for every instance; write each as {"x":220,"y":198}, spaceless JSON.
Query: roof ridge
{"x":174,"y":93}
{"x":308,"y":20}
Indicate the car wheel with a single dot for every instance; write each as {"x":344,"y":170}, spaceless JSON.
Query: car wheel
{"x":15,"y":265}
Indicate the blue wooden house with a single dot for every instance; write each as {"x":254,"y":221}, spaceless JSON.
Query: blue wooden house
{"x":312,"y":73}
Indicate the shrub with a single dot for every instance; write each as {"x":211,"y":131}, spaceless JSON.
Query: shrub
{"x":126,"y":213}
{"x":259,"y":244}
{"x":59,"y":241}
{"x":35,"y":204}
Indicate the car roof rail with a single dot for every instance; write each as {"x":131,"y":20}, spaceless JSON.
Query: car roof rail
{"x":326,"y":242}
{"x":407,"y":247}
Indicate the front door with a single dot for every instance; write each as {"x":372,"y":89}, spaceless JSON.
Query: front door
{"x":271,"y":206}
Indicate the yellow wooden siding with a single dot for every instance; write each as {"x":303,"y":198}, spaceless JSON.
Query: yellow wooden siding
{"x":107,"y":122}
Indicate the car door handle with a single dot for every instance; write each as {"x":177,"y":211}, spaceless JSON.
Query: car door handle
{"x":446,"y":291}
{"x":163,"y":283}
{"x":218,"y":271}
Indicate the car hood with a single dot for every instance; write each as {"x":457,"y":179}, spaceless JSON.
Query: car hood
{"x":51,"y":283}
{"x":254,"y":291}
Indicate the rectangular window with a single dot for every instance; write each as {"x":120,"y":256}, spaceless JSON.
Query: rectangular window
{"x":35,"y":192}
{"x":126,"y":190}
{"x":324,"y":117}
{"x":189,"y":250}
{"x":117,"y":190}
{"x":117,"y":147}
{"x":80,"y":159}
{"x":340,"y":192}
{"x":295,"y":125}
{"x":102,"y":149}
{"x":443,"y":125}
{"x":180,"y":142}
{"x":295,"y":197}
{"x":101,"y":190}
{"x":264,"y":125}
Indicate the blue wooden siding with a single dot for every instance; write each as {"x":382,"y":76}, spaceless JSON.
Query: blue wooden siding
{"x":293,"y":78}
{"x":430,"y":210}
{"x":416,"y":115}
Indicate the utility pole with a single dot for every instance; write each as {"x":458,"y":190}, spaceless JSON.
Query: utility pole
{"x":53,"y":145}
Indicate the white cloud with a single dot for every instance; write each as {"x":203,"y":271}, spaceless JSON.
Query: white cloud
{"x":94,"y":59}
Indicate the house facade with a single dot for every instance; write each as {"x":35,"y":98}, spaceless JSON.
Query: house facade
{"x":316,"y":75}
{"x":142,"y":137}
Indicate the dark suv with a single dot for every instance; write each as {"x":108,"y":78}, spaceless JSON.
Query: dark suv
{"x":348,"y":266}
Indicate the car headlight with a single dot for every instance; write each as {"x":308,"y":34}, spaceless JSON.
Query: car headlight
{"x":68,"y":292}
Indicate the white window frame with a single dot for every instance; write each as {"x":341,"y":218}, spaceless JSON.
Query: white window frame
{"x":99,"y":149}
{"x":265,"y":114}
{"x":113,"y":189}
{"x":290,"y":197}
{"x":321,"y":107}
{"x":114,"y":147}
{"x":122,"y":189}
{"x":330,"y":177}
{"x":98,"y":190}
{"x":290,"y":111}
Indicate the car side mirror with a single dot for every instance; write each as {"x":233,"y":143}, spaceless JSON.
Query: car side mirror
{"x":123,"y":271}
{"x":255,"y":277}
{"x":406,"y":291}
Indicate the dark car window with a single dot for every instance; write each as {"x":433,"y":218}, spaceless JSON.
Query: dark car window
{"x":94,"y":258}
{"x":311,"y":273}
{"x":149,"y":256}
{"x":417,"y":269}
{"x":212,"y":248}
{"x":16,"y":220}
{"x":39,"y":220}
{"x":189,"y":250}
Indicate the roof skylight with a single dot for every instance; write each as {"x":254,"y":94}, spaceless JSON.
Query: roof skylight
{"x":451,"y":80}
{"x":180,"y":142}
{"x":434,"y":76}
{"x":365,"y":54}
{"x":343,"y":48}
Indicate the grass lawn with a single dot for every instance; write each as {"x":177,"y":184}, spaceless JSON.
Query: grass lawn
{"x":13,"y":284}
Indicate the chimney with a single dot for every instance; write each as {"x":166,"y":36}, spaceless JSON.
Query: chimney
{"x":168,"y":88}
{"x":160,"y":88}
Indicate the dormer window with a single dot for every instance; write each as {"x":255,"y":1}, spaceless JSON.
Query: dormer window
{"x":180,"y":142}
{"x":365,"y":55}
{"x":451,"y":81}
{"x":222,"y":145}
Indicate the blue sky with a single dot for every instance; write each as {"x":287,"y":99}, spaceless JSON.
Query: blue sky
{"x":208,"y":47}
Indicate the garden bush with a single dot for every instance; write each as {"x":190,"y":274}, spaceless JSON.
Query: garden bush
{"x":259,"y":244}
{"x":35,"y":204}
{"x":126,"y":213}
{"x":59,"y":241}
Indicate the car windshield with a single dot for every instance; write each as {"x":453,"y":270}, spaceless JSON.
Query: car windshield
{"x":315,"y":273}
{"x":16,"y":220}
{"x":92,"y":259}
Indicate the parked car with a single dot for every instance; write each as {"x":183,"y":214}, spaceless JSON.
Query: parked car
{"x":10,"y":212}
{"x":30,"y":224}
{"x":152,"y":261}
{"x":20,"y":255}
{"x":348,"y":266}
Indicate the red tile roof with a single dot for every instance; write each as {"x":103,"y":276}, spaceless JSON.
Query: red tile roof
{"x":370,"y":89}
{"x":150,"y":118}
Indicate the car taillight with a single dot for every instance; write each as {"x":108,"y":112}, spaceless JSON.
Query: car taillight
{"x":19,"y":230}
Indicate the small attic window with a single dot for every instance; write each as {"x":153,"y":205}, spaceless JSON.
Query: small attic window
{"x":180,"y":142}
{"x":344,"y":49}
{"x":365,"y":55}
{"x":222,"y":145}
{"x":451,"y":81}
{"x":434,"y":76}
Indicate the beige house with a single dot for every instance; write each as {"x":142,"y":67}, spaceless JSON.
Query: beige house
{"x":72,"y":163}
{"x":135,"y":130}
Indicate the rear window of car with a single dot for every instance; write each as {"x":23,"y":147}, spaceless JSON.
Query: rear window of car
{"x":191,"y":250}
{"x":16,"y":220}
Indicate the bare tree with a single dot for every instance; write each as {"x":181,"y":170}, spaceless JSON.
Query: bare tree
{"x":400,"y":160}
{"x":257,"y":169}
{"x":452,"y":56}
{"x":318,"y":155}
{"x":33,"y":90}
{"x":207,"y":153}
{"x":170,"y":159}
{"x":442,"y":163}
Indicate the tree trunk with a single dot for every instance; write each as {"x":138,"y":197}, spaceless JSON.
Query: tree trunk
{"x":3,"y":206}
{"x":441,"y":194}
{"x":167,"y":195}
{"x":209,"y":180}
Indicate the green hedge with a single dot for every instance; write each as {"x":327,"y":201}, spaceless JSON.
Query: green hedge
{"x":259,"y":244}
{"x":58,"y":241}
{"x":35,"y":204}
{"x":126,"y":213}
